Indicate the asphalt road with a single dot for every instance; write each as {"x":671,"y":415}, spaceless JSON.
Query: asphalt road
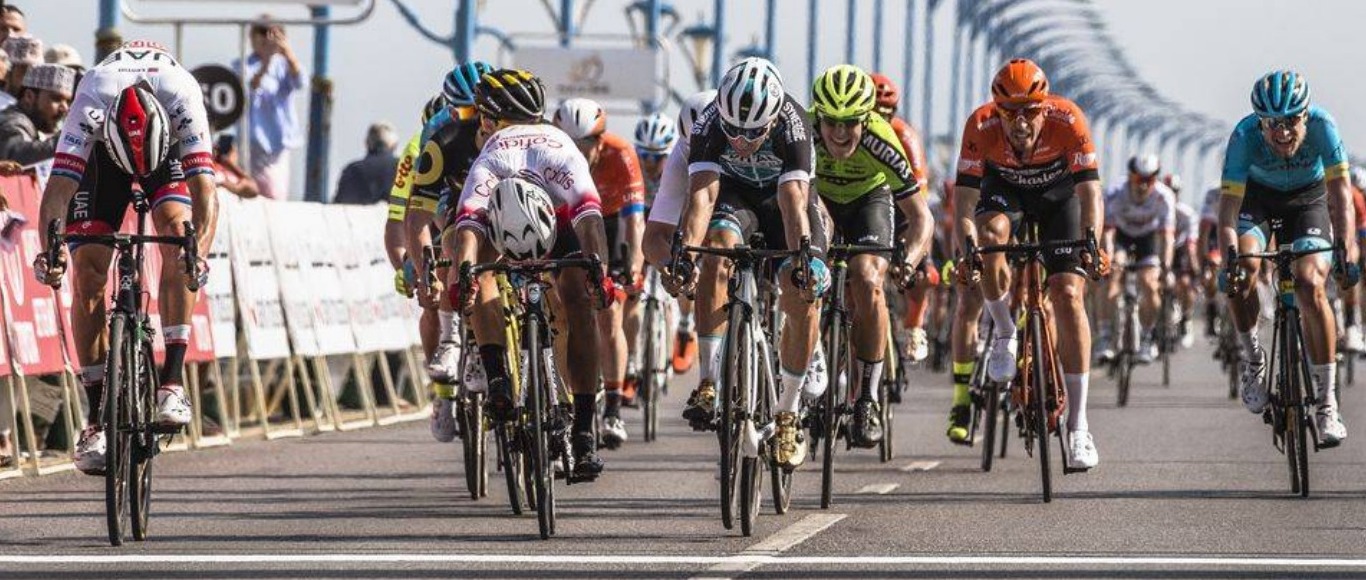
{"x":1189,"y":486}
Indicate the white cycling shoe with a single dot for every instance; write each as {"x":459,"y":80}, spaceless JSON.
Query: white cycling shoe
{"x":173,"y":409}
{"x":1331,"y":429}
{"x":443,"y":420}
{"x":613,"y":432}
{"x":1001,"y":362}
{"x":89,"y":455}
{"x":817,"y":377}
{"x":1082,"y":450}
{"x":1353,"y":341}
{"x":1252,"y":385}
{"x":917,"y":345}
{"x":445,"y":362}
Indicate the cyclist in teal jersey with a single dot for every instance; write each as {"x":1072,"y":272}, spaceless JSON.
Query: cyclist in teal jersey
{"x":1284,"y":170}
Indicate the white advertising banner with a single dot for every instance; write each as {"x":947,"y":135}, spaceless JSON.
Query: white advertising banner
{"x":321,"y":227}
{"x":222,"y":302}
{"x":380,"y":316}
{"x":288,"y":240}
{"x":258,"y":284}
{"x":594,"y":73}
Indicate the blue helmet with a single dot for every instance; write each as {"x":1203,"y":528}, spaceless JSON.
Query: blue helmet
{"x":1281,"y":93}
{"x":459,"y":85}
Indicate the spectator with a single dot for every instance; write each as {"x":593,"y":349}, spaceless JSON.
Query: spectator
{"x":24,"y":52}
{"x":229,"y":174}
{"x":368,"y":180}
{"x":12,"y":22}
{"x":65,"y":55}
{"x":274,"y":78}
{"x":4,"y":70}
{"x":28,"y":129}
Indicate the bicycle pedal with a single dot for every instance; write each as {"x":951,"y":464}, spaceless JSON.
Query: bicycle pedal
{"x":1074,"y":470}
{"x":167,"y":428}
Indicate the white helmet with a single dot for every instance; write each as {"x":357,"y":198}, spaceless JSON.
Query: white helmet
{"x":1358,"y":177}
{"x":750,"y":94}
{"x":137,"y":133}
{"x":522,"y":219}
{"x":1145,"y":165}
{"x":581,"y":118}
{"x":692,"y":108}
{"x":656,"y":133}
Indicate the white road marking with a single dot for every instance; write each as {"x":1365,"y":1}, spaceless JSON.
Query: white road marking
{"x":878,"y":488}
{"x":771,"y":546}
{"x":757,"y":558}
{"x":920,"y":466}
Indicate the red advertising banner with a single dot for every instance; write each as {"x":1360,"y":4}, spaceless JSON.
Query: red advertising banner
{"x":30,"y":308}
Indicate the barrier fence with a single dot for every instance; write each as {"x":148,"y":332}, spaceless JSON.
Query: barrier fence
{"x":298,"y":331}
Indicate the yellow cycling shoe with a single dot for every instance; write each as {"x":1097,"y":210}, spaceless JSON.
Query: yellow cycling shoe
{"x":790,"y":442}
{"x":959,"y":418}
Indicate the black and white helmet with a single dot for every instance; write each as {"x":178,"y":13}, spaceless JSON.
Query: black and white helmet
{"x":1145,"y":165}
{"x":751,"y":94}
{"x":522,"y":219}
{"x":692,"y":108}
{"x":137,"y":133}
{"x":656,"y":133}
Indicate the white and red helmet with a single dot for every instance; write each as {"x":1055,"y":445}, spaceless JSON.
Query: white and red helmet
{"x":522,"y":219}
{"x":137,"y":133}
{"x":581,"y":118}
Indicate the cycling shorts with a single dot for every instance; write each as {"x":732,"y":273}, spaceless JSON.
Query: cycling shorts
{"x":1181,"y":262}
{"x":748,"y":211}
{"x":616,"y":244}
{"x":1140,"y":250}
{"x":866,"y":221}
{"x":1292,"y":217}
{"x":1056,"y":211}
{"x":105,"y":191}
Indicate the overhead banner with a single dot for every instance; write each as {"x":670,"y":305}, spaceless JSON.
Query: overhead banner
{"x":594,"y":73}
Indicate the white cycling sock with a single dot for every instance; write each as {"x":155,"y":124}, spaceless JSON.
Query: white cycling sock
{"x":1249,"y":341}
{"x":1077,"y":387}
{"x":870,"y":375}
{"x":1323,"y":376}
{"x":1000,"y":314}
{"x":709,"y":351}
{"x":446,"y":326}
{"x":790,"y":398}
{"x":685,"y":323}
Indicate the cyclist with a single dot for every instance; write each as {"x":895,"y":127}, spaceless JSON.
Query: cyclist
{"x":616,"y":172}
{"x":1183,"y":266}
{"x":1351,"y":297}
{"x":1140,"y":225}
{"x":449,"y":143}
{"x":138,"y":120}
{"x":1285,"y":175}
{"x":545,"y":162}
{"x":862,"y":172}
{"x":749,"y":171}
{"x":655,"y":136}
{"x":913,"y":327}
{"x":1027,"y":153}
{"x":1212,"y":260}
{"x":665,"y":210}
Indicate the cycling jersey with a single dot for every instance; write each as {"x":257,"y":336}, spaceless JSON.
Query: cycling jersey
{"x":443,"y":163}
{"x":173,"y":86}
{"x":1064,"y":153}
{"x":673,"y":191}
{"x":1137,"y":218}
{"x":617,"y":175}
{"x":914,"y":147}
{"x":540,"y":153}
{"x":403,"y":180}
{"x":1250,"y":158}
{"x":879,"y":160}
{"x":1187,"y":224}
{"x":785,"y":155}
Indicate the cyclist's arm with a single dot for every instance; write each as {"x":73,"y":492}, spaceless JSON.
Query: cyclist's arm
{"x":592,"y":235}
{"x":705,"y":187}
{"x":633,"y":227}
{"x":56,"y":197}
{"x":793,"y":198}
{"x":964,"y":203}
{"x":1340,"y":206}
{"x":1233,"y":184}
{"x":919,"y":223}
{"x":1092,"y":205}
{"x":204,"y":208}
{"x":967,"y":184}
{"x":1169,"y":232}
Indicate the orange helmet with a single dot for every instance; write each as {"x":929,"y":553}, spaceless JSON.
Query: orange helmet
{"x":1019,"y":82}
{"x":888,"y":96}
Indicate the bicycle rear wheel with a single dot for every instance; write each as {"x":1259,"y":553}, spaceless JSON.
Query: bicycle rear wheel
{"x":886,"y":447}
{"x":115,"y":421}
{"x":651,"y":369}
{"x":145,"y":443}
{"x":729,"y":424}
{"x":511,"y":462}
{"x":832,"y":423}
{"x":1038,"y":393}
{"x":992,"y":394}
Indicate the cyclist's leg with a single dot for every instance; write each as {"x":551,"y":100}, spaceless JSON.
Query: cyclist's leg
{"x":1150,"y":300}
{"x":612,"y":354}
{"x":1066,"y":289}
{"x":733,"y":220}
{"x":997,"y":213}
{"x":170,"y":202}
{"x":800,"y":332}
{"x":658,"y":247}
{"x":1307,"y":223}
{"x":869,"y":222}
{"x":490,"y":334}
{"x":1107,"y":315}
{"x":572,"y":305}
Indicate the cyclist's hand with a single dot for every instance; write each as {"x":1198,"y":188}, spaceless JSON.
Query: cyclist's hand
{"x":430,"y":296}
{"x":1349,"y":275}
{"x":201,"y":272}
{"x":462,"y":295}
{"x":1098,"y":265}
{"x":50,"y":274}
{"x":679,"y":277}
{"x":604,"y":291}
{"x":966,"y":275}
{"x":815,"y":285}
{"x":903,"y":275}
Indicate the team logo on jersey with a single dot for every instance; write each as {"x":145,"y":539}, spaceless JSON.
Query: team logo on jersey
{"x":1084,"y":159}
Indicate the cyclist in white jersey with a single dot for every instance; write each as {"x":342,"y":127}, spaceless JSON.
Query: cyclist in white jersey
{"x":1140,"y":217}
{"x":92,"y":189}
{"x":511,"y":104}
{"x":1184,"y":266}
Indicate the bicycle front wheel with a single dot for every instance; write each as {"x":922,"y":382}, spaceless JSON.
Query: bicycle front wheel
{"x":511,"y":462}
{"x":116,"y":421}
{"x":1039,"y":403}
{"x":729,"y":423}
{"x":542,"y":471}
{"x":832,"y":422}
{"x":144,"y":446}
{"x":475,"y":443}
{"x":992,"y":396}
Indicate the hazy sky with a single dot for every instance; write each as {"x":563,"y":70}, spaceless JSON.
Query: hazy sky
{"x":1203,"y":54}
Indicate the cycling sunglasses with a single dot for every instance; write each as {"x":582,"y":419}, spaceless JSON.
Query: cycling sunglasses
{"x":647,"y":156}
{"x":1012,"y":112}
{"x":750,"y":135}
{"x":847,"y":123}
{"x":1284,"y":123}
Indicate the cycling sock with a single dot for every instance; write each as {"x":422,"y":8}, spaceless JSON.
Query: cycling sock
{"x":1000,"y":315}
{"x":962,"y":375}
{"x":612,"y":408}
{"x":92,"y":378}
{"x":446,"y":326}
{"x":685,"y":324}
{"x":709,"y":350}
{"x":1249,"y":341}
{"x":1077,"y":387}
{"x":790,"y":398}
{"x":1323,"y":376}
{"x":494,"y":357}
{"x":177,"y":338}
{"x":915,"y":312}
{"x":585,"y":411}
{"x":870,"y":375}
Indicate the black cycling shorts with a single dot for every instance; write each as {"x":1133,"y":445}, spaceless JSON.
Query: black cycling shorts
{"x":1181,"y":261}
{"x":616,"y":244}
{"x":748,"y":211}
{"x":867,"y":221}
{"x":1057,"y":212}
{"x":1290,"y":216}
{"x":1140,"y":250}
{"x":105,"y":191}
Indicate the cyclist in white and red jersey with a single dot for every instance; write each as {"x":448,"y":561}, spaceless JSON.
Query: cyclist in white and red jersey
{"x":145,"y":89}
{"x":511,"y":104}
